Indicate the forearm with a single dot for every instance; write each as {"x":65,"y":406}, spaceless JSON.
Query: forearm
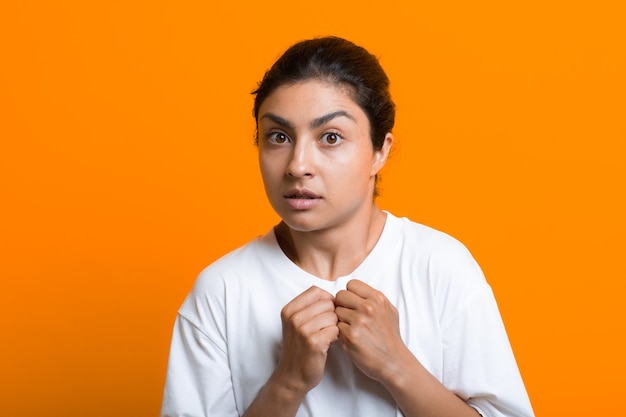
{"x":276,"y":399}
{"x":418,"y":393}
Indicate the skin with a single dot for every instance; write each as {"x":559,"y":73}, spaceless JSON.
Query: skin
{"x":313,"y":138}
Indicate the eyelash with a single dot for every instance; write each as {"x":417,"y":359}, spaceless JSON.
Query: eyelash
{"x":272,"y":136}
{"x":337,"y":135}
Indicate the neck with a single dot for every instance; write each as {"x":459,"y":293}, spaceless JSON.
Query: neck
{"x":334,"y":252}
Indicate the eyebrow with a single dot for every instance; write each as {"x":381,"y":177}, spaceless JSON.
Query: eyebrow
{"x":328,"y":117}
{"x":315,"y":123}
{"x":278,"y":120}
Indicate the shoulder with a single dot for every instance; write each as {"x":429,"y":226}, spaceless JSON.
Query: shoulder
{"x":227,"y":273}
{"x":432,"y":243}
{"x":237,"y":264}
{"x":438,"y":255}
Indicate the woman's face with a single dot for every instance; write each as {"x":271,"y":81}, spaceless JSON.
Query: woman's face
{"x":316,"y":155}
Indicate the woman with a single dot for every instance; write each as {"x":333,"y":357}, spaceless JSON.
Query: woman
{"x":342,"y":309}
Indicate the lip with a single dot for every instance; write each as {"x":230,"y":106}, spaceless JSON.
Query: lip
{"x":301,"y":199}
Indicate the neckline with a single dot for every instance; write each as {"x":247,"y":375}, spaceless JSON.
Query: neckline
{"x":369,"y":264}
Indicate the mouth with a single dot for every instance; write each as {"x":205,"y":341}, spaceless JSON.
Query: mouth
{"x":301,"y":195}
{"x":302,"y":200}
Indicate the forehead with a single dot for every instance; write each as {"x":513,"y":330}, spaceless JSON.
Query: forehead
{"x":311,"y":96}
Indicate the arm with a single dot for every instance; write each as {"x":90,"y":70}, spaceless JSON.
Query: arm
{"x":309,"y":328}
{"x":369,"y":331}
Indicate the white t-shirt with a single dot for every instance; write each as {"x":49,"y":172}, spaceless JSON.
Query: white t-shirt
{"x":227,"y":336}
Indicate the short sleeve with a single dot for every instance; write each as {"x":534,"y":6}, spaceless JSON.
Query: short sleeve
{"x":480,"y":366}
{"x":478,"y":362}
{"x":198,"y":381}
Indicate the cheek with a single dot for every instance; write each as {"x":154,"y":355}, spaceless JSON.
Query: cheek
{"x":264,"y":163}
{"x":357,"y":166}
{"x":269,"y":171}
{"x":348,"y":179}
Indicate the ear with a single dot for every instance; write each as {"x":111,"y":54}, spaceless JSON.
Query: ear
{"x":380,"y":156}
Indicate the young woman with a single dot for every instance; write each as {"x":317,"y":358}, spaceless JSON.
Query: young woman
{"x":342,"y":309}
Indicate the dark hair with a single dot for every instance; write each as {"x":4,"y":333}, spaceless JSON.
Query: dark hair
{"x":338,"y":61}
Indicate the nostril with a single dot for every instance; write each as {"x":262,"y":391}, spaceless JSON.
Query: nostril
{"x":297,"y":175}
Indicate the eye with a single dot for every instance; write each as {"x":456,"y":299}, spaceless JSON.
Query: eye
{"x":277,"y":137}
{"x":331,"y":138}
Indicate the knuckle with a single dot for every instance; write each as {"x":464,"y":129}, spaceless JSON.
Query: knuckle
{"x":285,"y":313}
{"x":313,"y":342}
{"x":369,"y":309}
{"x":379,"y":298}
{"x":350,"y":336}
{"x":296,"y":319}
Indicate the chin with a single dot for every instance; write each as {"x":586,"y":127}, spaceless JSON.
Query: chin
{"x":302,"y":221}
{"x":300,"y":225}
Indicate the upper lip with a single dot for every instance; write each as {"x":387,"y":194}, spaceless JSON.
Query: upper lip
{"x":300,"y":193}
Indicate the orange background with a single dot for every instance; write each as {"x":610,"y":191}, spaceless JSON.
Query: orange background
{"x":127,"y":165}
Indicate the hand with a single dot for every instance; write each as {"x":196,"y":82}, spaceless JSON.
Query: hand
{"x":309,"y":328}
{"x":369,"y":330}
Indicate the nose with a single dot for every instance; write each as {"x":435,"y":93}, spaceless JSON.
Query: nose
{"x":302,"y":160}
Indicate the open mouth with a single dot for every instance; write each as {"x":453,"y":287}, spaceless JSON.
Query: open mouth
{"x":301,"y":194}
{"x":301,"y":197}
{"x":302,"y":200}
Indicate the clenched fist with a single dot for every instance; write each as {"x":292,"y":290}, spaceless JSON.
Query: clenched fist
{"x":309,"y":328}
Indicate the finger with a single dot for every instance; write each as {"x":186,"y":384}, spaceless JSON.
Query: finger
{"x":361,"y":289}
{"x":308,"y":313}
{"x":347,"y":299}
{"x":345,"y":315}
{"x":306,"y":298}
{"x":329,"y":334}
{"x":314,"y":293}
{"x":345,"y":334}
{"x":372,"y":298}
{"x":320,"y":332}
{"x":319,"y":322}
